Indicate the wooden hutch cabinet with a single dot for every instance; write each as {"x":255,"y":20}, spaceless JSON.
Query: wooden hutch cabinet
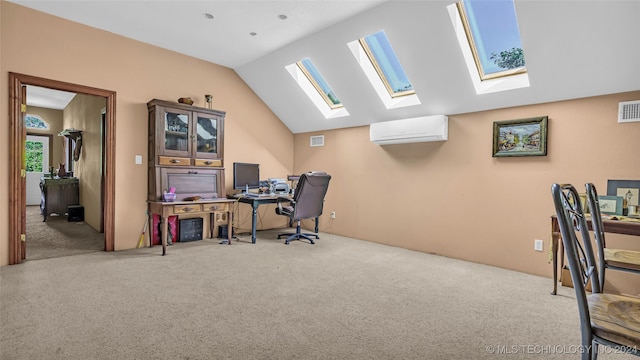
{"x":186,"y":145}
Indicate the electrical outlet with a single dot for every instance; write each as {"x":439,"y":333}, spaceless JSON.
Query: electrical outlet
{"x":538,"y":245}
{"x":333,"y":214}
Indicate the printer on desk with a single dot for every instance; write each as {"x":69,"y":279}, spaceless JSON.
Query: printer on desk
{"x":278,"y":186}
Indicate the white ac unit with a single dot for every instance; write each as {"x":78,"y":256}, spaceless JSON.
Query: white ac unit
{"x":419,"y":129}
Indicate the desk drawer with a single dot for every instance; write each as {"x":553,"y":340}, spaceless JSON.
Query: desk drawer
{"x":187,"y":209}
{"x":174,"y":161}
{"x":221,"y":207}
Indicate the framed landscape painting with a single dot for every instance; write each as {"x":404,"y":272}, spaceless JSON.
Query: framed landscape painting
{"x":523,"y":137}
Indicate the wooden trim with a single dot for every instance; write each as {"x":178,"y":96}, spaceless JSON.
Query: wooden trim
{"x":17,"y":128}
{"x":15,"y":166}
{"x":110,"y":173}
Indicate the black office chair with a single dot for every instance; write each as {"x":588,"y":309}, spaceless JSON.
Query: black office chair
{"x":605,"y":319}
{"x":615,"y":259}
{"x":307,"y":202}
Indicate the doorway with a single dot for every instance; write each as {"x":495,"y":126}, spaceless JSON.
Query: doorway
{"x":18,"y":181}
{"x":37,"y":150}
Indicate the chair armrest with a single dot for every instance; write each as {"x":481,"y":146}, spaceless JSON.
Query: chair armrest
{"x":282,"y":199}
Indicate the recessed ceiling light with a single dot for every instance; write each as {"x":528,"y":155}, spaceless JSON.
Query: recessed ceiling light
{"x":282,"y":17}
{"x":253,"y":33}
{"x":207,"y":15}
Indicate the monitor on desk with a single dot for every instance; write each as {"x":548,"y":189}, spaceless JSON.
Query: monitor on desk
{"x":246,"y":176}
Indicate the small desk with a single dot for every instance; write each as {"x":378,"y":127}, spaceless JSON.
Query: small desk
{"x":255,"y":201}
{"x":610,"y":226}
{"x":209,"y":206}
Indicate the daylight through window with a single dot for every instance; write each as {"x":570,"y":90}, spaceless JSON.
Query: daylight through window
{"x":384,"y":60}
{"x":493,"y":35}
{"x":35,"y":122}
{"x":318,"y":82}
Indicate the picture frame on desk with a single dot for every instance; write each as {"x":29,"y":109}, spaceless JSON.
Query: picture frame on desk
{"x":583,"y":202}
{"x":522,"y":137}
{"x":627,"y":189}
{"x":610,"y":205}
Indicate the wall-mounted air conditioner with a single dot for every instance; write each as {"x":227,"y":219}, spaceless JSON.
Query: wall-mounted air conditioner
{"x":419,"y":129}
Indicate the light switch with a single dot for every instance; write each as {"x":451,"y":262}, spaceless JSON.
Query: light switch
{"x":138,"y":159}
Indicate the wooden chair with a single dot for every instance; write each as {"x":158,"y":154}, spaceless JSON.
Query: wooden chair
{"x":605,"y":319}
{"x":615,"y":259}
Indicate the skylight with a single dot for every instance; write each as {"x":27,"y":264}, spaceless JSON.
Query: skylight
{"x":489,"y":37}
{"x":382,"y":67}
{"x":492,"y":31}
{"x":319,"y":83}
{"x":317,"y":89}
{"x":386,"y":63}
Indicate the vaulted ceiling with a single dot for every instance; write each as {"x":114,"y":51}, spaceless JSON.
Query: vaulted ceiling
{"x":573,"y":49}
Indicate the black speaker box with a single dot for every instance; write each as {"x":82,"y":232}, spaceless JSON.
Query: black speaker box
{"x":190,"y":229}
{"x":75,"y":213}
{"x":223,"y":231}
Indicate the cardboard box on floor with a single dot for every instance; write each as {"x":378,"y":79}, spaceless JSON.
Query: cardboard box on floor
{"x":565,"y":278}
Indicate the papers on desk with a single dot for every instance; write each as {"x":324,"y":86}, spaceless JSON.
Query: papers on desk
{"x":253,"y":195}
{"x":621,"y":218}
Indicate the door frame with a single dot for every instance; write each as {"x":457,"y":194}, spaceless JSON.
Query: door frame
{"x":17,"y":180}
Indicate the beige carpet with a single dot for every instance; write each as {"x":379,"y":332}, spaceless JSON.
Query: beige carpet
{"x":58,"y":237}
{"x":339,"y":299}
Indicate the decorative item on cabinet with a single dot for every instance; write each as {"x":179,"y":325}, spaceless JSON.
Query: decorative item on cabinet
{"x":61,"y":171}
{"x":185,"y":100}
{"x":208,"y":99}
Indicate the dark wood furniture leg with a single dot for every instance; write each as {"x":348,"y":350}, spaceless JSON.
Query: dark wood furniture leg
{"x":165,"y":232}
{"x":555,"y":241}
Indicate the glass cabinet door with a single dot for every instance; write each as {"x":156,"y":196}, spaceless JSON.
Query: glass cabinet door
{"x":207,"y":136}
{"x":176,"y":133}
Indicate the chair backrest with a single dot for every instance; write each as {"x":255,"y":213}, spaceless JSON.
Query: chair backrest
{"x":598,"y":228}
{"x":309,"y":195}
{"x":580,"y":257}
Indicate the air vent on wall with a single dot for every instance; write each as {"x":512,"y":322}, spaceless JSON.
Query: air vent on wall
{"x":317,"y":140}
{"x":629,"y":111}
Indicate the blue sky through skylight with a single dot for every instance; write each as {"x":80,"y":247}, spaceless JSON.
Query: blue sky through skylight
{"x":319,"y":80}
{"x":494,"y":27}
{"x":386,"y":58}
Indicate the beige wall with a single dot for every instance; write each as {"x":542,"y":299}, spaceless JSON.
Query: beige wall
{"x":67,"y":51}
{"x":84,"y":113}
{"x":454,"y":199}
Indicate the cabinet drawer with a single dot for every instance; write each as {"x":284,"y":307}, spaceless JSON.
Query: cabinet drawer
{"x":173,"y":160}
{"x":208,"y":162}
{"x":186,"y":209}
{"x":216,"y":207}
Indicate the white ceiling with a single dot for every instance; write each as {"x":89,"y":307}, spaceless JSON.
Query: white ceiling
{"x":48,"y":98}
{"x":573,"y":49}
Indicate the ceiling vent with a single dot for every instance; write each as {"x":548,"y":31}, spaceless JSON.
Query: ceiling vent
{"x":419,"y":129}
{"x":629,"y":111}
{"x":317,"y":140}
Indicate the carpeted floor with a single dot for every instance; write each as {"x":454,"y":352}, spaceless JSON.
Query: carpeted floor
{"x":339,"y":299}
{"x":58,"y":237}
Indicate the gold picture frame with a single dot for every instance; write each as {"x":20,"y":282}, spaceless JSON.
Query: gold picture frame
{"x":522,"y":137}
